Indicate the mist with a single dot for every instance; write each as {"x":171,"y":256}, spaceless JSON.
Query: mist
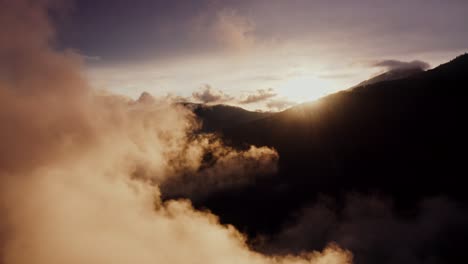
{"x":375,"y":231}
{"x":82,"y":171}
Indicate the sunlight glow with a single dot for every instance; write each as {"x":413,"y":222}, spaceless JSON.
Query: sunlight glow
{"x":306,"y":88}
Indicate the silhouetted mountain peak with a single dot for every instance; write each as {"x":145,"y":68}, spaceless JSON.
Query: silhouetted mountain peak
{"x":461,"y":59}
{"x":145,"y":98}
{"x":458,"y":64}
{"x":391,"y":75}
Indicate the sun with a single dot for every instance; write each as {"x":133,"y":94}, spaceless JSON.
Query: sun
{"x":305,"y":88}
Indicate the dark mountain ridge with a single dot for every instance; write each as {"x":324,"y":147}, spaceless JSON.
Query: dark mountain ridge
{"x":214,"y":118}
{"x":403,"y":138}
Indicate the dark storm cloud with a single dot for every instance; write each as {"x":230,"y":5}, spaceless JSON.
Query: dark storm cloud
{"x":259,"y":96}
{"x":402,"y":65}
{"x":375,"y":233}
{"x":210,"y":95}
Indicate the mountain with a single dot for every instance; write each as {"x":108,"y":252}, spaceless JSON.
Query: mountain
{"x":403,"y":138}
{"x":217,"y":117}
{"x":391,"y":75}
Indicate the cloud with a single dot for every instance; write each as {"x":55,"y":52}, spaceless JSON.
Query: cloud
{"x":401,"y":65}
{"x":92,"y":58}
{"x":176,"y":98}
{"x":375,"y":232}
{"x":280,"y":104}
{"x":209,"y":95}
{"x":81,"y":172}
{"x":223,"y":29}
{"x":233,"y":31}
{"x":221,"y":167}
{"x":259,"y":96}
{"x":147,"y":98}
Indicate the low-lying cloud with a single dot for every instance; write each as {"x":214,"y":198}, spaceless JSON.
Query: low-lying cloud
{"x":210,"y":95}
{"x":81,"y":171}
{"x":280,"y":104}
{"x":402,"y":65}
{"x":259,"y":96}
{"x":375,"y":233}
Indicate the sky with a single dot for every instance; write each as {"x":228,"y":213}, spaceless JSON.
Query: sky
{"x":261,"y":55}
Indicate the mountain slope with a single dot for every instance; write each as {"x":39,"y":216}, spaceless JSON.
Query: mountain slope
{"x":391,"y":75}
{"x":402,"y":138}
{"x":216,"y":117}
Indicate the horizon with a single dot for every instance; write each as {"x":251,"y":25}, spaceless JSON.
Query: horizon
{"x":279,"y":53}
{"x":234,"y":103}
